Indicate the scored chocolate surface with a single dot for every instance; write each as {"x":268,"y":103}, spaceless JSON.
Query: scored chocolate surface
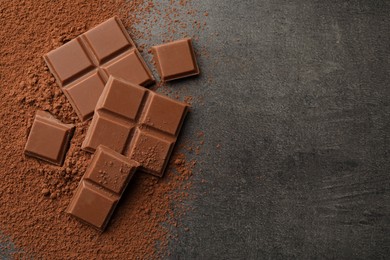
{"x":83,"y":65}
{"x":136,"y":122}
{"x":101,"y":187}
{"x":49,"y":138}
{"x":175,"y":60}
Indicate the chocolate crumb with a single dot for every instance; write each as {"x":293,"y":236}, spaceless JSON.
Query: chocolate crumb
{"x":45,"y":192}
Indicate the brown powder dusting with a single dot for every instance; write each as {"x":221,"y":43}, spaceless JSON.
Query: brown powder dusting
{"x":35,"y":194}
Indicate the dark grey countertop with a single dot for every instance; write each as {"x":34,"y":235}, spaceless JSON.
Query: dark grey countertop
{"x":300,"y":106}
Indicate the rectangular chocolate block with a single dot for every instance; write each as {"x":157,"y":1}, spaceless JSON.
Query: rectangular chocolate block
{"x":83,"y":65}
{"x":49,"y":138}
{"x":101,"y":187}
{"x":136,"y":122}
{"x":175,"y":60}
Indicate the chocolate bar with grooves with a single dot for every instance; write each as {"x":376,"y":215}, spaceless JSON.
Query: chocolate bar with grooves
{"x":102,"y":187}
{"x":137,"y":122}
{"x":83,"y":65}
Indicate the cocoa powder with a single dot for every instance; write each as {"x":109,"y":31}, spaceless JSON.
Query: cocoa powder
{"x":35,"y":194}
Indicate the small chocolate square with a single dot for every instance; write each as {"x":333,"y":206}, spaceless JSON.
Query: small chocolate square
{"x":48,"y":139}
{"x":110,"y":170}
{"x":92,"y":205}
{"x":108,"y":38}
{"x":130,"y":67}
{"x":122,"y":100}
{"x":151,"y":151}
{"x":175,"y":60}
{"x":69,"y":61}
{"x":164,"y":114}
{"x":108,"y":132}
{"x":85,"y":93}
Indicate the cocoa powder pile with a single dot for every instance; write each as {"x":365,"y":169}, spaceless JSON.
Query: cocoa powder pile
{"x":34,"y":194}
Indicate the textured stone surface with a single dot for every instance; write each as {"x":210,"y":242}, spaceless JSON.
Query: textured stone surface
{"x":299,"y":105}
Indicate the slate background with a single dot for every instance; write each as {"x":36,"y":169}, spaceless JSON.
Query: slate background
{"x":299,"y":104}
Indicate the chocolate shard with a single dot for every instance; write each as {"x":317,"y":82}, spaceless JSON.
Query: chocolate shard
{"x":83,"y":65}
{"x":102,"y":187}
{"x":136,"y":122}
{"x":49,"y":138}
{"x":175,"y":60}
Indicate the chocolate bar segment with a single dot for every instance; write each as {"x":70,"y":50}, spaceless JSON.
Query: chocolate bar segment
{"x":48,"y":139}
{"x":111,"y":170}
{"x":152,"y":151}
{"x":93,"y":205}
{"x":83,"y":65}
{"x":108,"y":131}
{"x":153,"y":120}
{"x":69,"y":62}
{"x":107,"y":39}
{"x":131,"y":67}
{"x":101,"y":187}
{"x":175,"y":60}
{"x":163,"y":114}
{"x":85,"y":93}
{"x":122,"y":100}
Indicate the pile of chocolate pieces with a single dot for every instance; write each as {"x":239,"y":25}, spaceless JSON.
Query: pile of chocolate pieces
{"x":103,"y":75}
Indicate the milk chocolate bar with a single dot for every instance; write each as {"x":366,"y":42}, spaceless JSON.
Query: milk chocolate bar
{"x":83,"y":65}
{"x":101,"y":187}
{"x":175,"y":60}
{"x":49,"y":138}
{"x":136,"y":122}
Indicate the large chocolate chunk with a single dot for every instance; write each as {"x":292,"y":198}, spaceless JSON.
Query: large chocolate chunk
{"x":101,"y":187}
{"x":83,"y":65}
{"x":136,"y":122}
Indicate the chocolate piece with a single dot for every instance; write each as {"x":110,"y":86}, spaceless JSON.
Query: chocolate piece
{"x":48,"y":139}
{"x":136,"y":122}
{"x":83,"y":65}
{"x":175,"y":60}
{"x":101,"y":187}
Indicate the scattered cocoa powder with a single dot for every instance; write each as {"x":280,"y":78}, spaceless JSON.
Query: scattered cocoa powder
{"x":35,"y":194}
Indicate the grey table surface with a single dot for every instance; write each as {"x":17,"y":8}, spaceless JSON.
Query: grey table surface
{"x":299,"y":105}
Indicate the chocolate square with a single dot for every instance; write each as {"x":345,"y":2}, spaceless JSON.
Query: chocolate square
{"x":175,"y":60}
{"x":110,"y":170}
{"x":48,"y":139}
{"x":69,"y":61}
{"x":120,"y":99}
{"x":163,"y":114}
{"x":107,"y":131}
{"x":151,"y":151}
{"x":107,"y":39}
{"x":131,"y":67}
{"x":92,"y":205}
{"x":85,"y":93}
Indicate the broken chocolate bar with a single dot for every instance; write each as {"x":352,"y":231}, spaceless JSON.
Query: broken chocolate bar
{"x":101,"y":187}
{"x":83,"y":65}
{"x":175,"y":60}
{"x":136,"y":122}
{"x":48,"y":139}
